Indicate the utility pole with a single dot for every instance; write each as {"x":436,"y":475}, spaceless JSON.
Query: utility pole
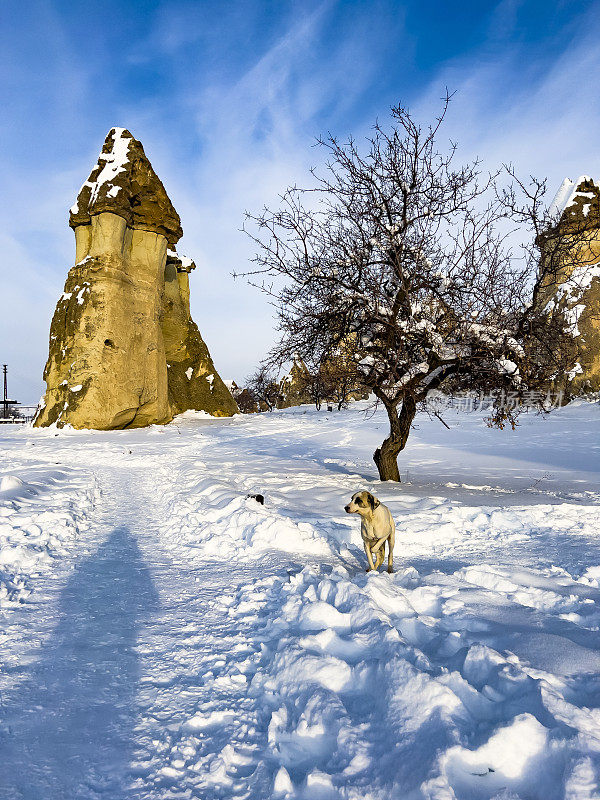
{"x":7,"y":403}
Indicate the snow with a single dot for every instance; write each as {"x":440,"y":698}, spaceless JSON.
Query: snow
{"x":577,"y":370}
{"x":193,"y":415}
{"x":41,"y":512}
{"x":9,"y":482}
{"x":115,"y":162}
{"x":572,"y":290}
{"x":189,"y":372}
{"x":186,"y":262}
{"x":567,"y":193}
{"x":562,"y":197}
{"x":81,"y":294}
{"x":581,"y":277}
{"x":163,"y":635}
{"x":505,"y":760}
{"x":508,"y":367}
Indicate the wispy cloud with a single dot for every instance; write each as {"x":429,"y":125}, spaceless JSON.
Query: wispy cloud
{"x":255,"y":136}
{"x":507,"y":110}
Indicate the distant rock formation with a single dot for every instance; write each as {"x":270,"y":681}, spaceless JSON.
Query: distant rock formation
{"x":107,"y":363}
{"x":577,"y":294}
{"x":294,"y":387}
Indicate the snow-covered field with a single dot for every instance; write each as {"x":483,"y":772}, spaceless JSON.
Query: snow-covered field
{"x":164,"y":636}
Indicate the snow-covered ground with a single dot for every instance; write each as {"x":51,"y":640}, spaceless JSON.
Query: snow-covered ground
{"x":164,"y":636}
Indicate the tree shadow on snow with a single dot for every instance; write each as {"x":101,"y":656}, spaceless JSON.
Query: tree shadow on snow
{"x":69,"y":730}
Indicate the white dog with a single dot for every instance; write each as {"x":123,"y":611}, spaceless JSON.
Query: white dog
{"x":376,"y":528}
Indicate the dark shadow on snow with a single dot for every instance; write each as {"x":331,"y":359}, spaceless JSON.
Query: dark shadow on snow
{"x":68,"y":731}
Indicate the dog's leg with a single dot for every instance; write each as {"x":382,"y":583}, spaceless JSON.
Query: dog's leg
{"x":380,"y":556}
{"x":369,"y":557}
{"x":379,"y":543}
{"x":391,"y":541}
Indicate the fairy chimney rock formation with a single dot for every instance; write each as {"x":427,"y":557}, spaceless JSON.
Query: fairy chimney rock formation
{"x":294,"y":386}
{"x":107,"y":364}
{"x":577,"y":205}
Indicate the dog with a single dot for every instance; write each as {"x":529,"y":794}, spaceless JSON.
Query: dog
{"x":376,"y":528}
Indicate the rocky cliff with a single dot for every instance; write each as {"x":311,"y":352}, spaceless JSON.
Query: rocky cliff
{"x":107,"y":363}
{"x":577,"y":293}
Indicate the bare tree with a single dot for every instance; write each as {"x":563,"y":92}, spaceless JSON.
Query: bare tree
{"x":262,"y":384}
{"x":408,"y":257}
{"x":316,"y":388}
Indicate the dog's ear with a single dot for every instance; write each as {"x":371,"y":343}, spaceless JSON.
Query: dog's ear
{"x":373,"y":501}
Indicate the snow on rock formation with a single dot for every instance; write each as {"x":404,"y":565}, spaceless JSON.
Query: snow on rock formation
{"x":107,"y":365}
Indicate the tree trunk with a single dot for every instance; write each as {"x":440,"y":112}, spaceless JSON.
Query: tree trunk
{"x":386,"y":456}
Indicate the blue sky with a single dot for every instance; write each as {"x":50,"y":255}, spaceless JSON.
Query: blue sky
{"x":227,"y":99}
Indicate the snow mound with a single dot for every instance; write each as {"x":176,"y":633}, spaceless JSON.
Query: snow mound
{"x":9,"y":482}
{"x":38,"y":521}
{"x":219,"y":519}
{"x":514,"y":758}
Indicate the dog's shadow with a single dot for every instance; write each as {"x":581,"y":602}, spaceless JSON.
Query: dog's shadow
{"x":69,"y":729}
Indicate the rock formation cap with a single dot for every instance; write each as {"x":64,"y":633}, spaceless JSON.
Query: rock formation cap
{"x":123,"y":182}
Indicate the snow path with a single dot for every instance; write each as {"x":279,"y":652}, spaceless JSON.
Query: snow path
{"x":66,"y":724}
{"x":180,"y":640}
{"x":117,"y":647}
